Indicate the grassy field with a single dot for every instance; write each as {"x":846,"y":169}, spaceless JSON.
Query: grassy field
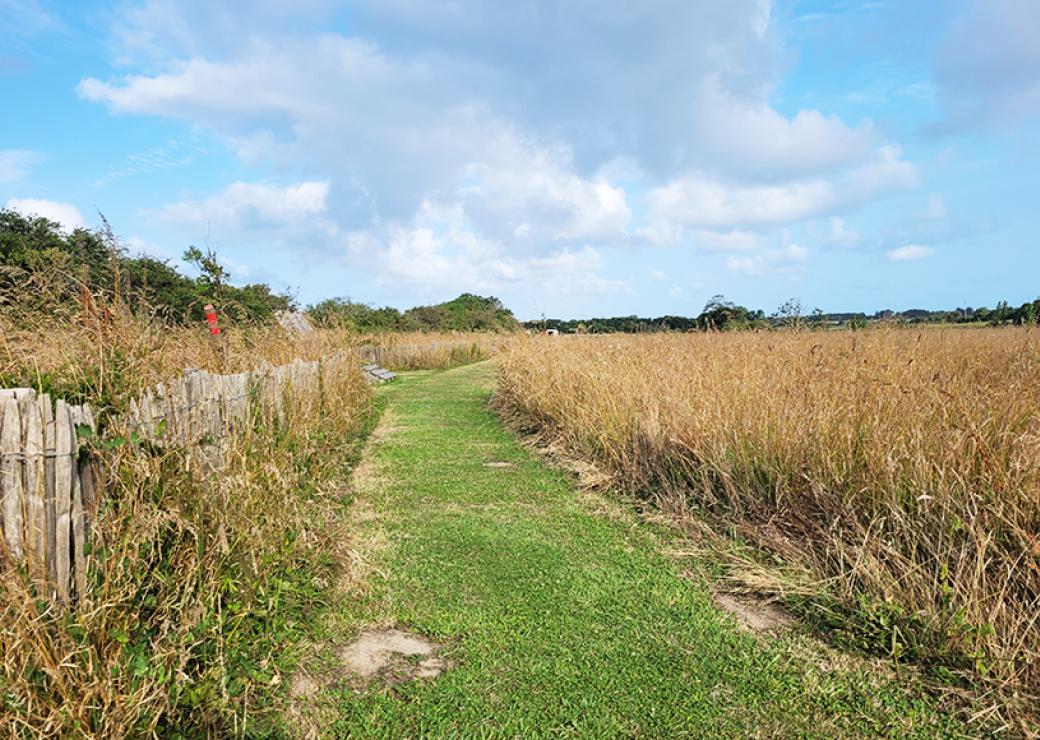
{"x":900,"y":469}
{"x":192,"y":585}
{"x":890,"y":477}
{"x":196,"y":584}
{"x":558,"y":611}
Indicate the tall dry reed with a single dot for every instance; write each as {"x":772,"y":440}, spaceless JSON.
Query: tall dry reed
{"x":902,"y":467}
{"x":195,"y":581}
{"x":434,"y":350}
{"x":108,"y":360}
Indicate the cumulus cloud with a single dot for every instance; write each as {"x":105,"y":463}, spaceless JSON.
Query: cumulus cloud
{"x":787,"y":260}
{"x":457,"y":259}
{"x":841,"y":235}
{"x":244,"y":207}
{"x":735,"y":239}
{"x":701,"y":201}
{"x":65,"y":214}
{"x":438,"y":250}
{"x":909,"y":253}
{"x":536,"y":130}
{"x":534,"y":194}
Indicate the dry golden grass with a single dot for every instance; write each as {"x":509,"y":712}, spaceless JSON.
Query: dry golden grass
{"x":898,"y":465}
{"x":195,"y":582}
{"x":433,"y":350}
{"x":111,"y":360}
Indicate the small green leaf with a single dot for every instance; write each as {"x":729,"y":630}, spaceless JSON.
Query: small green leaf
{"x":140,"y":665}
{"x":111,"y":444}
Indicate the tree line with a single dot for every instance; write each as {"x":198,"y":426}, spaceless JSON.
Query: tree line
{"x":468,"y":312}
{"x":43,"y":268}
{"x":723,"y":315}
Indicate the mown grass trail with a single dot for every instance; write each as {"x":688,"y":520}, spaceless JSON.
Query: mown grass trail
{"x":560,"y":617}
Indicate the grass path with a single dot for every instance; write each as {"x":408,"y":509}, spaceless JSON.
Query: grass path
{"x":560,"y":619}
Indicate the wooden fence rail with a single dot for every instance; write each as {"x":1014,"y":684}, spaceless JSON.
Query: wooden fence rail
{"x":48,"y":477}
{"x":48,"y":490}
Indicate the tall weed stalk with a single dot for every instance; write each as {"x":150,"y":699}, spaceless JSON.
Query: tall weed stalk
{"x":900,"y":467}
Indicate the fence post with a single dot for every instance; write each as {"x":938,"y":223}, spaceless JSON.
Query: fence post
{"x":35,"y":473}
{"x":11,"y":475}
{"x":63,"y":499}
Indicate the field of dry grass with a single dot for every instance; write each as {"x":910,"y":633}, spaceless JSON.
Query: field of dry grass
{"x":193,"y":584}
{"x":899,"y":468}
{"x":434,"y":350}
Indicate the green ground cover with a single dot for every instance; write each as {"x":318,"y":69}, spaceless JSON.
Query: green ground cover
{"x":558,"y":611}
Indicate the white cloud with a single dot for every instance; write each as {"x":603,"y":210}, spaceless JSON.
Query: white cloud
{"x":753,"y":139}
{"x":138,"y":246}
{"x":534,"y":194}
{"x":172,"y":153}
{"x":909,"y":253}
{"x":988,"y":66}
{"x":701,"y":201}
{"x":65,"y":214}
{"x":536,"y":138}
{"x":842,"y":235}
{"x":658,"y":274}
{"x":786,"y":260}
{"x":15,"y":165}
{"x":725,"y":241}
{"x":438,"y":254}
{"x":244,"y":206}
{"x":936,"y":208}
{"x":26,"y":17}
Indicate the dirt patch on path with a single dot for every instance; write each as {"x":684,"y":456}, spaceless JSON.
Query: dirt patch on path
{"x":393,"y":655}
{"x":377,"y":657}
{"x":758,"y":616}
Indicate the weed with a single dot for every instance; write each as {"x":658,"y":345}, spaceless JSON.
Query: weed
{"x":901,"y":467}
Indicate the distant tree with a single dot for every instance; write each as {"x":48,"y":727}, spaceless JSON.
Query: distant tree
{"x":723,"y":315}
{"x":468,"y":312}
{"x":789,"y":313}
{"x":43,"y":266}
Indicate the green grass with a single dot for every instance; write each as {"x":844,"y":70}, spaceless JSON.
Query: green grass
{"x":559,"y":611}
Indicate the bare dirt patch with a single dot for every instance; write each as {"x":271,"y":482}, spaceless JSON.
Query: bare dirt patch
{"x":499,"y":464}
{"x":392,"y":655}
{"x":758,"y":616}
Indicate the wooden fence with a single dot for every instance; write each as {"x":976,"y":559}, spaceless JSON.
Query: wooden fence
{"x":48,"y":489}
{"x":48,"y":477}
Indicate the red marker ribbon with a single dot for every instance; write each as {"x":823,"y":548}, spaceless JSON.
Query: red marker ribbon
{"x":211,"y":319}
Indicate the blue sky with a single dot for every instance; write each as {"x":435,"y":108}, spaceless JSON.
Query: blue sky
{"x":591,"y":157}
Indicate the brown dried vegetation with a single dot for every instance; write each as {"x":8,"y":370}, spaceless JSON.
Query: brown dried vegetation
{"x":901,"y":467}
{"x":195,"y":580}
